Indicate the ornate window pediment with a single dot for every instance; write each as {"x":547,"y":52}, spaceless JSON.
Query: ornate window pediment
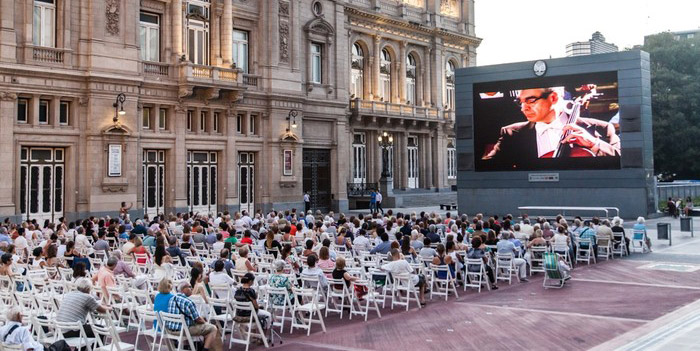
{"x":319,"y":26}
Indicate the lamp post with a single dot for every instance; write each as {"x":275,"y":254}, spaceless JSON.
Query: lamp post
{"x":385,"y":142}
{"x":119,"y":107}
{"x":292,"y":120}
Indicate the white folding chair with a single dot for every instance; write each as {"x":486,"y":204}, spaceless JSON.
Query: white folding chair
{"x":442,"y":281}
{"x":182,"y":336}
{"x":146,"y":318}
{"x":619,"y":238}
{"x":248,"y":327}
{"x":584,"y":251}
{"x":370,"y":300}
{"x":274,"y":296}
{"x":78,"y":342}
{"x":337,"y":289}
{"x":605,"y":248}
{"x":537,"y":259}
{"x":476,"y":276}
{"x":505,"y":267}
{"x":402,"y":289}
{"x":224,"y":316}
{"x":639,"y":241}
{"x":307,"y":302}
{"x":107,"y":336}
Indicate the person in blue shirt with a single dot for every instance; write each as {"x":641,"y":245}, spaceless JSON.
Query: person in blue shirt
{"x":642,"y":227}
{"x":373,"y":201}
{"x":4,"y":237}
{"x":384,"y":246}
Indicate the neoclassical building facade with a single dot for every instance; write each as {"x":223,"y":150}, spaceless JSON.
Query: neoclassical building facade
{"x":211,"y":105}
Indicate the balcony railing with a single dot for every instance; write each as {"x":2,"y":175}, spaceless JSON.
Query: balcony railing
{"x":46,"y":54}
{"x":250,"y":80}
{"x":385,"y":108}
{"x":216,"y":75}
{"x":156,"y":68}
{"x":361,"y":189}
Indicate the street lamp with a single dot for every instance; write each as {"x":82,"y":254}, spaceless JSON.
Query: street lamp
{"x":119,"y":107}
{"x":386,"y":141}
{"x":292,"y":119}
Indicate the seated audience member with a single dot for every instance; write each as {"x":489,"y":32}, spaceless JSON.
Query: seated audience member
{"x":506,"y":246}
{"x":477,"y":252}
{"x":314,"y":272}
{"x":243,"y":264}
{"x":76,"y":305}
{"x":399,"y":266}
{"x":427,"y":252}
{"x":15,"y":333}
{"x":197,"y":326}
{"x":619,"y":230}
{"x":642,"y":227}
{"x":246,"y":293}
{"x":280,"y":280}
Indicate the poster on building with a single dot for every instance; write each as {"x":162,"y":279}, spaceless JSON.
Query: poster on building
{"x":115,"y":160}
{"x":287,"y":162}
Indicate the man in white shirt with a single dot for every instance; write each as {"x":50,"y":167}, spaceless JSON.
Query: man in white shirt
{"x":14,"y":333}
{"x":315,"y":272}
{"x":361,"y":243}
{"x":379,"y":199}
{"x":399,"y":266}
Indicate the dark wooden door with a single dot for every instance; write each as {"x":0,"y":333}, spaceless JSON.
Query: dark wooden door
{"x":317,"y":178}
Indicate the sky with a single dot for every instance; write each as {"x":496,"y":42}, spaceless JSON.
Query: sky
{"x":517,"y":30}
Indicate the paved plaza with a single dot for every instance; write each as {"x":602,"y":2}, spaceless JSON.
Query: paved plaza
{"x":643,"y":302}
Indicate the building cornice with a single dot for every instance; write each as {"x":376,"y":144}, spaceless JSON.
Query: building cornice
{"x":382,"y":23}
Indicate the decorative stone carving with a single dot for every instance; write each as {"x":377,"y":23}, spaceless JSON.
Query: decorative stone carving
{"x":284,"y":42}
{"x":112,"y":13}
{"x":449,"y":8}
{"x":284,"y":8}
{"x":83,"y":100}
{"x":5,"y":96}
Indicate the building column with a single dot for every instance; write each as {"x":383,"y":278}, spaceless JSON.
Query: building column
{"x":180,"y":157}
{"x":403,"y":152}
{"x":402,"y":72}
{"x":8,"y":105}
{"x":426,"y":79}
{"x":227,"y":33}
{"x":215,"y":42}
{"x":429,"y":158}
{"x":177,"y":30}
{"x":375,"y":67}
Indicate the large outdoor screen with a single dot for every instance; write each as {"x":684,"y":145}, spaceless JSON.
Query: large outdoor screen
{"x":548,"y":123}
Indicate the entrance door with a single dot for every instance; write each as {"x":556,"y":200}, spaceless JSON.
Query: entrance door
{"x":246,"y":181}
{"x":412,"y":162}
{"x":201,"y":181}
{"x":41,"y":183}
{"x":153,"y":182}
{"x":317,"y":178}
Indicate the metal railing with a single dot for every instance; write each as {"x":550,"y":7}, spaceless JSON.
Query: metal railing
{"x":361,"y":189}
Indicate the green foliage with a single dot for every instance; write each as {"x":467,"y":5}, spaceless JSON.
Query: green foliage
{"x":675,"y":91}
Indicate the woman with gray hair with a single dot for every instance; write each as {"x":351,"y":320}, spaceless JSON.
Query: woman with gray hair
{"x":77,"y":304}
{"x":279,"y":280}
{"x":14,"y":333}
{"x":619,"y":231}
{"x":640,"y":226}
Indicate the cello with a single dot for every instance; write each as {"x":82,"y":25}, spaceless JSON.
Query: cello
{"x":574,"y":150}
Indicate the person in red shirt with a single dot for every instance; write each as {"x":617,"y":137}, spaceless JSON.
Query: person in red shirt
{"x":247,"y":238}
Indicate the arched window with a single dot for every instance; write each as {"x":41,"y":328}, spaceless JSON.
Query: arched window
{"x":410,"y":80}
{"x":450,"y":85}
{"x":385,"y":76}
{"x":357,"y":71}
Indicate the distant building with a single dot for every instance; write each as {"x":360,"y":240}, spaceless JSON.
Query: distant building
{"x":681,"y":35}
{"x":596,"y":45}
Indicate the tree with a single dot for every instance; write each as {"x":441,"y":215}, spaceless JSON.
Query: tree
{"x":675,"y":98}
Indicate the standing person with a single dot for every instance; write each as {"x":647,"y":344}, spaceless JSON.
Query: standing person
{"x":379,"y":199}
{"x":372,"y":201}
{"x":307,"y":202}
{"x":671,"y":207}
{"x":124,"y":210}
